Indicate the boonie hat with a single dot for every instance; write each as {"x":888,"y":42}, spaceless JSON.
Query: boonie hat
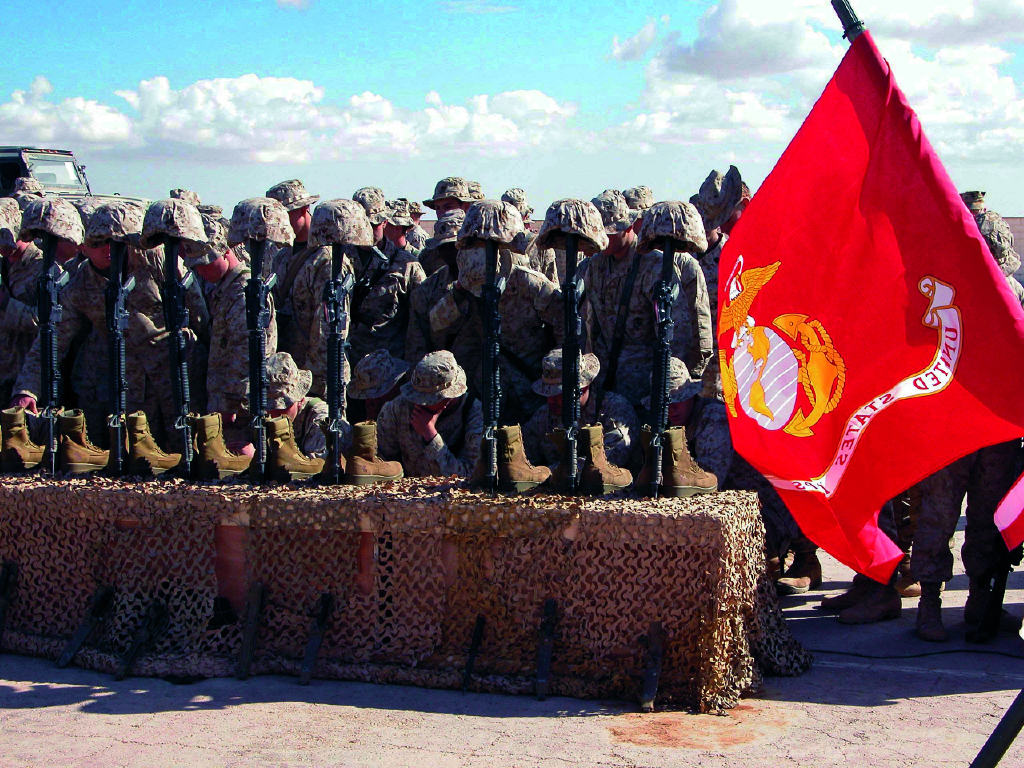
{"x":292,"y":195}
{"x":435,"y":378}
{"x":550,"y":381}
{"x":376,"y":375}
{"x":286,"y":382}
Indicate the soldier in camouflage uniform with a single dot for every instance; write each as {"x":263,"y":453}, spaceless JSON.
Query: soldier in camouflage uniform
{"x":286,"y":260}
{"x":983,"y":477}
{"x":547,"y":261}
{"x":227,"y":378}
{"x":417,"y":236}
{"x":147,"y":354}
{"x":639,"y":198}
{"x":376,"y":380}
{"x":622,"y":279}
{"x":19,"y":271}
{"x":287,"y":390}
{"x":434,"y":426}
{"x":440,"y":261}
{"x":380,"y":298}
{"x":450,"y":192}
{"x":26,"y":190}
{"x":530,"y":308}
{"x":617,"y":416}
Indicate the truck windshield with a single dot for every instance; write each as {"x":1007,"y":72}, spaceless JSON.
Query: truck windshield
{"x":54,"y":171}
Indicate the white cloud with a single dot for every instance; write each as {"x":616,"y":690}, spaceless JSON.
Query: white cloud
{"x":637,"y":46}
{"x":293,"y":3}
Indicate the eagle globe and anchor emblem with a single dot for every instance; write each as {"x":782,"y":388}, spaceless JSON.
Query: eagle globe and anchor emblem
{"x":767,"y":367}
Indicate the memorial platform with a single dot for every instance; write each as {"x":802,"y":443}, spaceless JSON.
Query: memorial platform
{"x":427,"y":584}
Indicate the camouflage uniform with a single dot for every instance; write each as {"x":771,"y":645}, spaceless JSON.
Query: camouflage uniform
{"x":983,"y":477}
{"x":380,"y":321}
{"x":455,"y":448}
{"x":440,"y":281}
{"x":287,"y":385}
{"x":446,"y":233}
{"x":417,"y":236}
{"x":617,"y":416}
{"x":19,"y":324}
{"x":709,"y":266}
{"x":692,"y":341}
{"x":530,"y":309}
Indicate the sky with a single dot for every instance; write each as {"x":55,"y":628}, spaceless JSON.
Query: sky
{"x":561,"y":99}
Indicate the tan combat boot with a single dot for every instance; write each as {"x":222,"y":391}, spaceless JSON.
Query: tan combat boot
{"x":681,"y":476}
{"x":283,"y":455}
{"x":859,"y":590}
{"x":77,"y":454}
{"x":144,"y":455}
{"x":599,"y":476}
{"x":929,"y":613}
{"x":18,"y":452}
{"x":515,"y":473}
{"x":804,"y":573}
{"x":213,"y":459}
{"x":362,"y":465}
{"x":878,"y":602}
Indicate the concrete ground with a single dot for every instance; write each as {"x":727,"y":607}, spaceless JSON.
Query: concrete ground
{"x":875,"y":697}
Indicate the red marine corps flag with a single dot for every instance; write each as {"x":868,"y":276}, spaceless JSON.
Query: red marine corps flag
{"x":867,"y":338}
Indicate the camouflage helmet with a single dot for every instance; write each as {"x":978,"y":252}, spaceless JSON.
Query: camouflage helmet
{"x":10,"y":222}
{"x":86,"y":208}
{"x":616,"y":214}
{"x":171,"y":219}
{"x":997,"y":235}
{"x":517,"y":197}
{"x":719,"y":196}
{"x":340,"y":221}
{"x":974,"y":200}
{"x":639,"y":198}
{"x":287,"y":384}
{"x":446,"y":228}
{"x":435,"y":378}
{"x":216,"y":245}
{"x":550,"y":381}
{"x":120,"y":221}
{"x":490,"y":220}
{"x":571,"y":216}
{"x":187,"y":195}
{"x":681,"y":387}
{"x":676,"y":220}
{"x":476,"y":191}
{"x":26,"y":185}
{"x":454,"y":187}
{"x":376,"y":375}
{"x":292,"y":195}
{"x":397,"y":213}
{"x":260,"y":218}
{"x":51,"y":216}
{"x":372,"y":200}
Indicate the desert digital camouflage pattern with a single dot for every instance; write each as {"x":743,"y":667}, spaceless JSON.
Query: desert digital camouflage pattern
{"x":51,"y":216}
{"x":292,"y":195}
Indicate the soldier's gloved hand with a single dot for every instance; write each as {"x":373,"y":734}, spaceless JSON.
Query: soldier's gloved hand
{"x":25,"y":401}
{"x":424,"y":422}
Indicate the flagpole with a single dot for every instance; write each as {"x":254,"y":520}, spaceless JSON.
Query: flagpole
{"x":852,"y":26}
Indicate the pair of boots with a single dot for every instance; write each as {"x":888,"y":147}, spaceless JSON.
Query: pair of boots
{"x":680,"y":475}
{"x":929,"y":624}
{"x":598,"y":476}
{"x":284,"y":457}
{"x":865,"y":602}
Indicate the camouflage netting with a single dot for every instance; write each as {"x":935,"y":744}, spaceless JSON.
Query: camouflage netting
{"x":411,"y":566}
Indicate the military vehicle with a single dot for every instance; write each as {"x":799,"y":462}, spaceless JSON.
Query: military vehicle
{"x":57,"y":170}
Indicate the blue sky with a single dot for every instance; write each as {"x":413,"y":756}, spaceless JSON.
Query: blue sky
{"x":562,"y":99}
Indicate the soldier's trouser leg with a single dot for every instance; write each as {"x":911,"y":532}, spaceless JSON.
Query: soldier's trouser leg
{"x":780,"y":527}
{"x":712,"y":444}
{"x":942,"y":495}
{"x":993,"y":471}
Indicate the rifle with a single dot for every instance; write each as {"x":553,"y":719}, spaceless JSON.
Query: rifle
{"x":571,"y":360}
{"x":257,"y":318}
{"x":490,"y":296}
{"x":664,"y":299}
{"x":176,"y":320}
{"x":51,"y":280}
{"x":335,"y":291}
{"x":116,"y":295}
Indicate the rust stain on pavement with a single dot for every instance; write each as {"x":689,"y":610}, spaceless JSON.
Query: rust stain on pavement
{"x":744,"y":724}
